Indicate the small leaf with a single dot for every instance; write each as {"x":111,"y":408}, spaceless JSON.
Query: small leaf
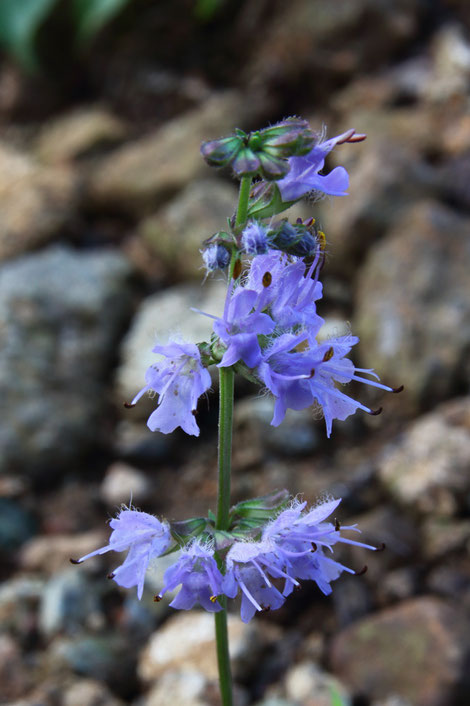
{"x":92,"y":15}
{"x":19,"y":22}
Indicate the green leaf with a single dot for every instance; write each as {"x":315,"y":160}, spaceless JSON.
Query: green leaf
{"x":19,"y":22}
{"x":92,"y":15}
{"x":206,"y":9}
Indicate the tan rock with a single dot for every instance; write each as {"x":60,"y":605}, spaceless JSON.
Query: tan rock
{"x":51,"y":553}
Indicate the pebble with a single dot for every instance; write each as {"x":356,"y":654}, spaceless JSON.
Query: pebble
{"x":124,"y":484}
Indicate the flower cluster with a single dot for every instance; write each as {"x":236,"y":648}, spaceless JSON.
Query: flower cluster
{"x":290,"y":548}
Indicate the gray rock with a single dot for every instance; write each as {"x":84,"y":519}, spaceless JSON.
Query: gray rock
{"x":76,"y":133}
{"x":416,"y":651}
{"x":176,"y":233}
{"x":35,"y":202}
{"x":308,"y":685}
{"x":61,"y":313}
{"x":88,"y":692}
{"x":124,"y":484}
{"x":413,"y":305}
{"x":15,"y":676}
{"x":145,"y":172}
{"x":17,"y":525}
{"x":68,"y":603}
{"x":159,"y":317}
{"x":19,"y":598}
{"x":427,"y":468}
{"x":51,"y":552}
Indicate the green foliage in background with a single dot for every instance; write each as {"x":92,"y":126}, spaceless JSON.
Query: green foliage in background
{"x":20,"y":21}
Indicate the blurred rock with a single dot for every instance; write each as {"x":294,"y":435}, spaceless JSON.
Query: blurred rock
{"x":35,"y":202}
{"x":134,"y":443}
{"x":413,"y":305}
{"x":376,"y":199}
{"x":176,"y":233}
{"x":159,"y":317}
{"x":124,"y":484}
{"x":77,"y":133}
{"x":61,"y":313}
{"x":19,"y":598}
{"x":51,"y":553}
{"x":15,"y":676}
{"x":308,"y":685}
{"x":145,"y":172}
{"x":88,"y":692}
{"x":166,"y":650}
{"x":443,"y":536}
{"x":346,"y":36}
{"x":451,"y":64}
{"x":297,"y":434}
{"x":416,"y":651}
{"x":17,"y":525}
{"x":427,"y":467}
{"x":68,"y":603}
{"x":398,"y":585}
{"x":191,"y":688}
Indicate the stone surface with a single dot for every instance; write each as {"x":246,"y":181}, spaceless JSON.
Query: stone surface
{"x":413,"y":304}
{"x":166,"y":650}
{"x":159,"y":317}
{"x":427,"y":467}
{"x":68,"y":603}
{"x":416,"y":651}
{"x":124,"y":484}
{"x":19,"y":598}
{"x":61,"y":313}
{"x":308,"y":685}
{"x":35,"y":202}
{"x":76,"y":133}
{"x":51,"y":553}
{"x":15,"y":677}
{"x":145,"y":172}
{"x":177,"y":231}
{"x":88,"y":692}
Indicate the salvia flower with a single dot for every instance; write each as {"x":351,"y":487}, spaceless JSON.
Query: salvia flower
{"x":304,"y":177}
{"x":179,"y":379}
{"x":144,"y":536}
{"x":198,"y":574}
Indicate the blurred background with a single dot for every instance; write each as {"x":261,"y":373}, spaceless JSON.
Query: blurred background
{"x":104,"y":202}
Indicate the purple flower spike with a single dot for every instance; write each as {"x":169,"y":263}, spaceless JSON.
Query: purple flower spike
{"x":144,"y":536}
{"x":201,"y":581}
{"x":249,"y":565}
{"x":303,"y":175}
{"x":179,"y":380}
{"x":241,"y":324}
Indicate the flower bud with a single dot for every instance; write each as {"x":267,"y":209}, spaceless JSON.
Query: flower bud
{"x":219,"y":153}
{"x":289,"y":138}
{"x":297,"y":239}
{"x":216,"y":257}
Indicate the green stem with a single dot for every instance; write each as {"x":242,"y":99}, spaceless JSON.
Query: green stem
{"x":226,"y":387}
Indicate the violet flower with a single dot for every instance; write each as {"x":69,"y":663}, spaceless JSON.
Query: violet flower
{"x":179,"y":380}
{"x":144,"y":536}
{"x":197,"y":572}
{"x":303,"y":176}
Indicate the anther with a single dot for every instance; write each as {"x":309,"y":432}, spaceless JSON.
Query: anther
{"x":265,"y":609}
{"x":337,"y":525}
{"x":237,"y":269}
{"x":267,"y":279}
{"x":381,"y":548}
{"x":361,"y":572}
{"x":396,"y":390}
{"x":312,"y":373}
{"x":157,"y":598}
{"x":375,"y":412}
{"x":328,"y":355}
{"x":128,"y":405}
{"x":322,"y":238}
{"x":314,"y":547}
{"x":359,"y":137}
{"x":75,"y":561}
{"x":111,"y":575}
{"x":213,"y":599}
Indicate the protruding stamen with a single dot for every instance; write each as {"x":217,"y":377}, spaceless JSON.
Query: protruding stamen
{"x":128,"y":405}
{"x":265,"y":609}
{"x":328,"y":355}
{"x":337,"y":525}
{"x":312,"y":373}
{"x":213,"y":599}
{"x":361,"y":572}
{"x":157,"y":598}
{"x":314,"y":547}
{"x":381,"y":548}
{"x":237,"y":269}
{"x":357,"y":137}
{"x":111,"y":575}
{"x":267,"y":279}
{"x":396,"y":390}
{"x":322,"y":238}
{"x":75,"y":561}
{"x":375,"y":412}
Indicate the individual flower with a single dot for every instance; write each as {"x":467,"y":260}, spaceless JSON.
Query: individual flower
{"x":178,"y":380}
{"x":303,"y":176}
{"x":301,"y":378}
{"x":300,"y":539}
{"x":197,"y":572}
{"x":255,"y":240}
{"x":215,"y":257}
{"x":144,"y":536}
{"x":248,"y":567}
